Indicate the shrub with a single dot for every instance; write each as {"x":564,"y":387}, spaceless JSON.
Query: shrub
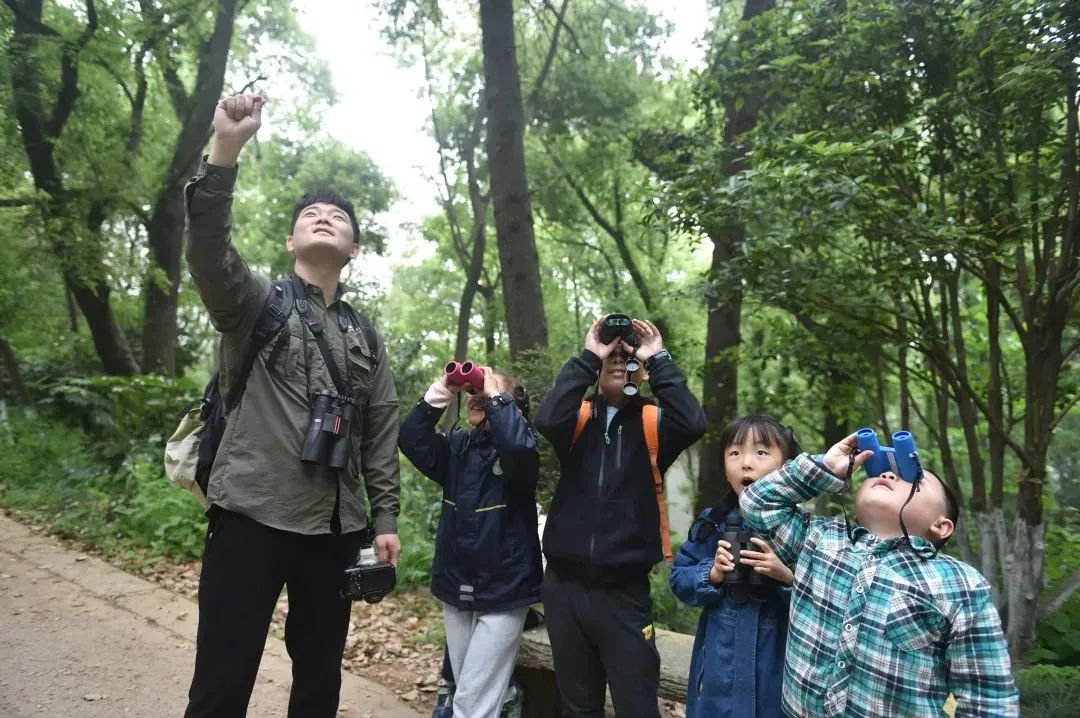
{"x":1049,"y":691}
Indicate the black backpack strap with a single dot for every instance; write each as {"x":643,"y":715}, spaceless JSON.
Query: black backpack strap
{"x":275,"y":313}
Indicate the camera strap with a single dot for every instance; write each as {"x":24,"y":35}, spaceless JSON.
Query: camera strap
{"x":316,"y":328}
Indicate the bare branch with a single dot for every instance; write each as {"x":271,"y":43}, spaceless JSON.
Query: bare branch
{"x":16,"y":201}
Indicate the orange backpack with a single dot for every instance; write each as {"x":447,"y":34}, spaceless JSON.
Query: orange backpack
{"x":650,"y":420}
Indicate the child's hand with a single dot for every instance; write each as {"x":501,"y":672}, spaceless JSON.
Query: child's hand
{"x":838,"y":458}
{"x":723,"y":563}
{"x":766,"y":562}
{"x":454,"y":388}
{"x":491,"y":383}
{"x":593,"y":343}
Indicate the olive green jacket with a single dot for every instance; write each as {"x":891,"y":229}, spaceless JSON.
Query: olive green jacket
{"x":258,"y":472}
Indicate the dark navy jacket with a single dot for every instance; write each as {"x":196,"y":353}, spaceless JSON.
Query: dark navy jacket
{"x":604,"y":513}
{"x":737,"y":668}
{"x":487,"y":553}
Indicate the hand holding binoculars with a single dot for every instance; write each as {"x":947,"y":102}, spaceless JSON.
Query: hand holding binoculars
{"x":902,"y":458}
{"x":468,"y":375}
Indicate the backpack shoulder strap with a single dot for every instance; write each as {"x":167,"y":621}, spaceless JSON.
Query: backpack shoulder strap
{"x":650,"y":420}
{"x":583,"y":415}
{"x":275,"y":313}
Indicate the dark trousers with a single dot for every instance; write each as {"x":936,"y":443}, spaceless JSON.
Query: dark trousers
{"x":244,"y":568}
{"x":602,"y":635}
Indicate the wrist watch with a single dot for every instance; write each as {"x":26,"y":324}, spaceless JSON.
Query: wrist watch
{"x":662,"y":354}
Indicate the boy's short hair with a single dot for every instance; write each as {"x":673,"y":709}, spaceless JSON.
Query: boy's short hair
{"x":766,"y":429}
{"x":952,"y":507}
{"x":327,"y":195}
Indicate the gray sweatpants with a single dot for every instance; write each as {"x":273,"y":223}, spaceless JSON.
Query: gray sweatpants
{"x":483,"y":648}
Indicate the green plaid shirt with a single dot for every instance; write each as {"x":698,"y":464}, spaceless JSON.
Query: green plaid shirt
{"x":877,"y":628}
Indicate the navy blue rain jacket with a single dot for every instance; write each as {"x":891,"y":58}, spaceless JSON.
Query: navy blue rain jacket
{"x":737,"y":667}
{"x":487,"y":553}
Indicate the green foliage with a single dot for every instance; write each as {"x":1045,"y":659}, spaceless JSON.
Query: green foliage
{"x":1048,"y":691}
{"x":668,"y":611}
{"x":56,"y":473}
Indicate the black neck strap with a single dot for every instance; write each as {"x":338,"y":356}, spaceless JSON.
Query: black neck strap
{"x":312,"y":323}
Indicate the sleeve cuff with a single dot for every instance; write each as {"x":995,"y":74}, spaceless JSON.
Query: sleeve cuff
{"x":438,"y":396}
{"x":704,"y":585}
{"x":215,"y":177}
{"x":498,"y":402}
{"x":591,"y":360}
{"x":818,"y":476}
{"x":385,"y":524}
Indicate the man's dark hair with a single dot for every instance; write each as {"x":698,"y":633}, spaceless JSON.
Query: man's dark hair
{"x":326,"y":195}
{"x":767,"y":430}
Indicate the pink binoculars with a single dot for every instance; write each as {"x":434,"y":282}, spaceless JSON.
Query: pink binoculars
{"x":466,"y":374}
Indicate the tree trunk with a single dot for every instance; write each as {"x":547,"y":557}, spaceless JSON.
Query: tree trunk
{"x":166,"y":226}
{"x":724,"y":300}
{"x":526,"y":321}
{"x":11,"y":362}
{"x":1025,"y":581}
{"x":109,"y":340}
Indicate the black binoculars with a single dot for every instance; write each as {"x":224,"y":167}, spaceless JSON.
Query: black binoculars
{"x":739,"y":538}
{"x":618,"y":326}
{"x":327,"y":440}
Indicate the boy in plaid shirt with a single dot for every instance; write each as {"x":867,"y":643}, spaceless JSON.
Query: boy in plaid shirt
{"x":881,"y":623}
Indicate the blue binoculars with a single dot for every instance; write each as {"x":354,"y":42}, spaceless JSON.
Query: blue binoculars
{"x":902,"y":458}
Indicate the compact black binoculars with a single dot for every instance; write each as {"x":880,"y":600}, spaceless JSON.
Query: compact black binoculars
{"x":327,"y":440}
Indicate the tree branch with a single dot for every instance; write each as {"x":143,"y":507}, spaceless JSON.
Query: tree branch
{"x":31,"y":25}
{"x":16,"y":201}
{"x":69,"y":74}
{"x":1060,"y":595}
{"x":534,"y":96}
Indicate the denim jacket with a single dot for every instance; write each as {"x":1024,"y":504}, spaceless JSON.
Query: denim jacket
{"x":737,"y":667}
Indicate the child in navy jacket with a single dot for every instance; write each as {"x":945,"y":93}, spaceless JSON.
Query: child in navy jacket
{"x":487,"y":567}
{"x":738,"y":662}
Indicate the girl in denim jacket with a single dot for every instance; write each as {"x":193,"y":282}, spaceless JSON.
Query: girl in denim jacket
{"x":738,"y":662}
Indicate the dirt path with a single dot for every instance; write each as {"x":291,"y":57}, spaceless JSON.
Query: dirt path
{"x":79,"y":638}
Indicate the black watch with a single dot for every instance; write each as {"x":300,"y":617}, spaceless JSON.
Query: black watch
{"x":662,"y":354}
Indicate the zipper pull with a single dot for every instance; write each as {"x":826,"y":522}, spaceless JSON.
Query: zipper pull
{"x":607,"y":439}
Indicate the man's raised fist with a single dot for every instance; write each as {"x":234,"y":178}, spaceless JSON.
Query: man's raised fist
{"x":236,"y":120}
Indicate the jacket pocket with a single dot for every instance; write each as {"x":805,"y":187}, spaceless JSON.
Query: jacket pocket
{"x":361,"y":363}
{"x":914,"y":623}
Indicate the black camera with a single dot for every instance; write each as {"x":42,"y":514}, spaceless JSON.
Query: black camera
{"x":328,"y":438}
{"x":739,"y":538}
{"x":369,"y":580}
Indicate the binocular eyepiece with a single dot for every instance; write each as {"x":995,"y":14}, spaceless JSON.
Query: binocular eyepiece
{"x":328,"y":439}
{"x":466,"y":374}
{"x":902,"y":457}
{"x":620,"y":326}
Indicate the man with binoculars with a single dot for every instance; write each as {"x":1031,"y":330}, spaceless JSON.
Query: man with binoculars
{"x":607,"y":525}
{"x":310,"y":405}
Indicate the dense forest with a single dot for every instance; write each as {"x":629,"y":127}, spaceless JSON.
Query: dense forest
{"x":851,"y":214}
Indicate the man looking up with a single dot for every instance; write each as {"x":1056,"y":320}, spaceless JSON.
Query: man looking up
{"x":275,"y":520}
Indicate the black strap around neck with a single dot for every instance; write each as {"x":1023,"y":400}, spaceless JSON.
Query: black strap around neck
{"x":315,"y":326}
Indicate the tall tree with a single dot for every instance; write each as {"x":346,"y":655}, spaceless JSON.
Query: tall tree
{"x":74,"y":216}
{"x":526,"y":320}
{"x":194,"y":110}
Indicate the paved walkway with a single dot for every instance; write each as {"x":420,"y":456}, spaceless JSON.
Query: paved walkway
{"x":79,"y":638}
